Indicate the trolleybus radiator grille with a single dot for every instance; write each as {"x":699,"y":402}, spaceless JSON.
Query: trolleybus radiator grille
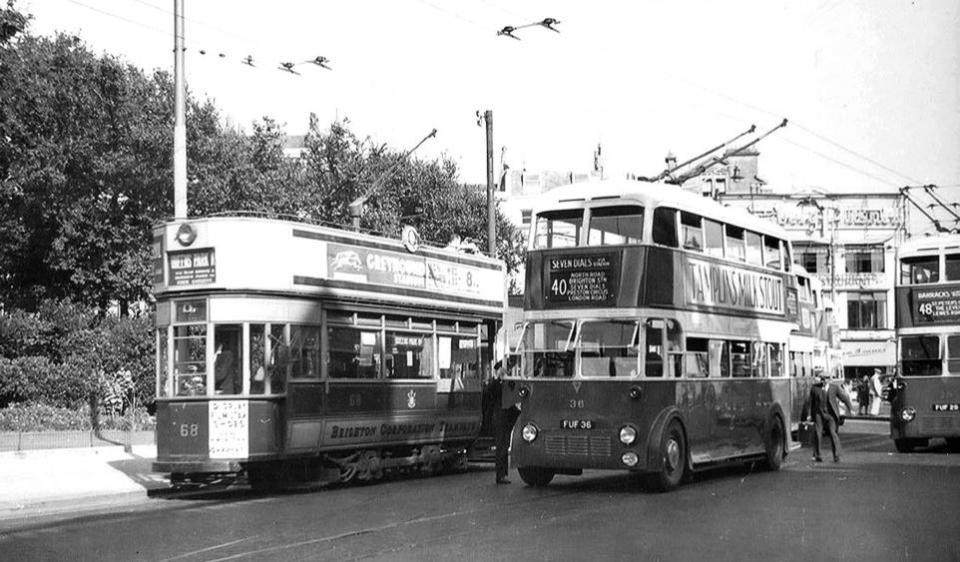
{"x":580,"y":445}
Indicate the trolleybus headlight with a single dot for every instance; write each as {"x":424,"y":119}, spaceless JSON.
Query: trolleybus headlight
{"x":907,"y":414}
{"x":524,"y":392}
{"x":635,"y":392}
{"x":529,"y":432}
{"x":629,"y":458}
{"x":628,"y":435}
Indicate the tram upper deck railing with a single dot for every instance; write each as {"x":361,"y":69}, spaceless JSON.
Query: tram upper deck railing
{"x":283,"y":256}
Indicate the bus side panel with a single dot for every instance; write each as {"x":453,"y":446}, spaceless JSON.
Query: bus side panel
{"x":937,"y":403}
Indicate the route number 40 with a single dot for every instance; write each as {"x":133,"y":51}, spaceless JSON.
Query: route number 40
{"x":559,"y":287}
{"x":189,"y":430}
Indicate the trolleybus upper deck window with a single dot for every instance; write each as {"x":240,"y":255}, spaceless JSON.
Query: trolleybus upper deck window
{"x":754,"y":245}
{"x":691,"y":231}
{"x":735,"y":248}
{"x":772,"y":253}
{"x":952,"y":267}
{"x":920,"y":270}
{"x":608,"y":348}
{"x":713,"y":238}
{"x":665,"y":227}
{"x":920,"y":356}
{"x":615,"y":225}
{"x":558,"y":229}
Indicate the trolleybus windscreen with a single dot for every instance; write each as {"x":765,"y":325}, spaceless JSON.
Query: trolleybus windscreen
{"x":608,"y":348}
{"x":547,"y":349}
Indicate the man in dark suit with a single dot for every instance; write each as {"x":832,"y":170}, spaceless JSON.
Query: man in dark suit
{"x":505,"y":416}
{"x":823,"y":408}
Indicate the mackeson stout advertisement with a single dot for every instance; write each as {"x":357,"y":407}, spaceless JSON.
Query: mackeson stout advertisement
{"x":723,"y":286}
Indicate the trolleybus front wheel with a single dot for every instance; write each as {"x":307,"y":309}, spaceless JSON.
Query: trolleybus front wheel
{"x":673,"y":460}
{"x":535,"y":475}
{"x":774,"y":446}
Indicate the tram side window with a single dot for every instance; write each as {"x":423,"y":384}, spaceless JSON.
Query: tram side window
{"x":305,"y":351}
{"x":740,"y":359}
{"x":953,"y":267}
{"x":190,"y":360}
{"x":691,"y":231}
{"x":608,"y":348}
{"x":735,"y":248}
{"x":162,"y":364}
{"x":258,"y":353}
{"x":459,"y":362}
{"x":622,"y":224}
{"x":697,"y":358}
{"x":558,"y":229}
{"x":354,"y":354}
{"x":713,"y":238}
{"x":226,"y":361}
{"x":920,"y":356}
{"x":920,"y":270}
{"x":279,"y":359}
{"x":409,"y":356}
{"x":953,"y":355}
{"x":771,"y":252}
{"x":665,"y":227}
{"x":653,"y":355}
{"x":794,"y":370}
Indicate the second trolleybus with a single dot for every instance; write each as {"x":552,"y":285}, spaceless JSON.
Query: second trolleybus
{"x":925,"y":401}
{"x":657,"y":324}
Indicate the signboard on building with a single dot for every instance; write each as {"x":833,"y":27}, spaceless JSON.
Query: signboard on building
{"x":192,"y":267}
{"x":868,"y":353}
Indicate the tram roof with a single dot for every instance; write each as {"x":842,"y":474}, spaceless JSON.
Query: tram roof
{"x":653,"y":194}
{"x":928,"y":245}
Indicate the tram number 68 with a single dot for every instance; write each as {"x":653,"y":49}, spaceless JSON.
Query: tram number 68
{"x":189,"y":430}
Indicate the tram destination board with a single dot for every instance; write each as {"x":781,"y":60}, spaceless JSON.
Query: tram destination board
{"x":582,"y":279}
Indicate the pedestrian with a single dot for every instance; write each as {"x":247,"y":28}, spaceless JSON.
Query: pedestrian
{"x":823,"y":409}
{"x":505,"y":416}
{"x":876,"y":391}
{"x":863,"y":396}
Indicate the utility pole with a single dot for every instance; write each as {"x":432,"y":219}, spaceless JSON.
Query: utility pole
{"x":179,"y":111}
{"x":491,"y":202}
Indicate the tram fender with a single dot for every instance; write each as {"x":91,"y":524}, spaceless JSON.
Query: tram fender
{"x":659,"y":425}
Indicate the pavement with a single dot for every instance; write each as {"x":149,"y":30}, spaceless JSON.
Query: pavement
{"x":41,"y":482}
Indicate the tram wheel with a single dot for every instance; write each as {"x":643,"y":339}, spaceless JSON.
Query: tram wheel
{"x":774,"y":445}
{"x":673,"y":460}
{"x":535,"y":476}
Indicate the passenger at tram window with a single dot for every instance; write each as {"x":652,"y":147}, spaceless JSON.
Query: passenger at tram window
{"x":771,"y":252}
{"x":691,"y":231}
{"x":665,"y":227}
{"x":775,"y":354}
{"x":225,"y":365}
{"x":735,"y":249}
{"x":713,"y":238}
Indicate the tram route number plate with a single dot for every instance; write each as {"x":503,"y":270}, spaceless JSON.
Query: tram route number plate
{"x":946,"y":407}
{"x":576,"y":424}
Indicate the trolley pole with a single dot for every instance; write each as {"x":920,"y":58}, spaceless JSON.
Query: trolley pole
{"x":491,"y":203}
{"x":180,"y":125}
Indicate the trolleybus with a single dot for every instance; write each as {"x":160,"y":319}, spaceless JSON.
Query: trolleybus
{"x":291,"y":350}
{"x":656,"y":328}
{"x":925,"y":401}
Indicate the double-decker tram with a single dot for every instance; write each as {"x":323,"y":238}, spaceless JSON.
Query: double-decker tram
{"x":925,"y":401}
{"x":294,"y":351}
{"x":656,"y":327}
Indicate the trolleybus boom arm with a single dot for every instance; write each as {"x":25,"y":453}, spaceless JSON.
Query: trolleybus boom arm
{"x":666,"y":172}
{"x":929,"y":189}
{"x":936,"y":223}
{"x":718,"y":159}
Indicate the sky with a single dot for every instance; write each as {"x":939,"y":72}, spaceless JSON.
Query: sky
{"x":871,"y":88}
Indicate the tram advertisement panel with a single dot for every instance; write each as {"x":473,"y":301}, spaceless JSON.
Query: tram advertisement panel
{"x":928,"y":306}
{"x":396,"y":269}
{"x":581,"y":279}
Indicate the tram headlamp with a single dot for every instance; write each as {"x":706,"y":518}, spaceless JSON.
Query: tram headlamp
{"x":629,"y":458}
{"x":628,"y":435}
{"x":907,"y":414}
{"x":529,"y":432}
{"x":186,"y":234}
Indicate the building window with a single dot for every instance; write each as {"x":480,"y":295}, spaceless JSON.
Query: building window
{"x":864,"y":259}
{"x":867,"y":310}
{"x":812,"y":258}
